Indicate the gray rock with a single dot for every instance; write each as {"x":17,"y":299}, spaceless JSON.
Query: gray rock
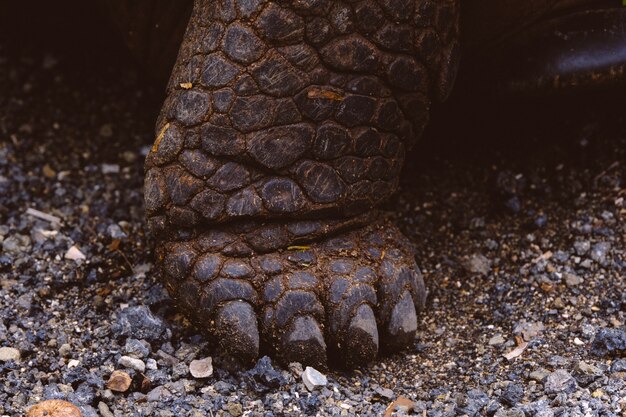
{"x":133,"y":363}
{"x":478,"y":264}
{"x":599,"y":252}
{"x":528,"y":330}
{"x":136,"y":349}
{"x":116,"y":232}
{"x":159,"y":393}
{"x":582,"y":247}
{"x":104,"y":410}
{"x":139,"y":322}
{"x":560,"y":381}
{"x":65,"y":350}
{"x":512,"y":394}
{"x":619,"y":366}
{"x":151,"y":364}
{"x":313,"y":379}
{"x":609,"y":342}
{"x":201,"y":368}
{"x":572,"y":280}
{"x":9,"y":354}
{"x":539,"y":374}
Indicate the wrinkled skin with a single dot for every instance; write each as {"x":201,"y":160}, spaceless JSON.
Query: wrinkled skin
{"x":285,"y":126}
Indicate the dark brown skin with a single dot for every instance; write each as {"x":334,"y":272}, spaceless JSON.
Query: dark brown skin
{"x":286,"y":124}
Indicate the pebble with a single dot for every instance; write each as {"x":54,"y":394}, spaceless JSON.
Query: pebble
{"x":512,"y":394}
{"x":139,"y":322}
{"x":65,"y":350}
{"x":9,"y":354}
{"x":74,"y":254}
{"x":496,"y":340}
{"x":136,"y":349}
{"x":572,"y":280}
{"x":104,"y":410}
{"x":313,"y":379}
{"x":54,"y":408}
{"x":609,"y":342}
{"x":539,"y":374}
{"x":133,"y":363}
{"x":151,"y":364}
{"x":119,"y":381}
{"x":560,"y":381}
{"x":582,"y":247}
{"x":478,"y":264}
{"x":599,"y":252}
{"x":201,"y":368}
{"x":235,"y":409}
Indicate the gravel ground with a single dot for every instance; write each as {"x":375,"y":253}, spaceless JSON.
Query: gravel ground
{"x":519,"y":228}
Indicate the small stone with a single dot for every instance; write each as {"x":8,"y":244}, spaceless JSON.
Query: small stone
{"x":539,"y":375}
{"x":110,"y":169}
{"x":140,"y":323}
{"x":572,"y":280}
{"x":528,"y":330}
{"x":133,"y":363}
{"x":478,"y":264}
{"x":73,"y":363}
{"x":65,"y":350}
{"x":119,"y":381}
{"x":201,"y":368}
{"x":74,"y":254}
{"x":496,"y":340}
{"x":116,"y":232}
{"x":578,"y":342}
{"x":586,"y":373}
{"x":385,"y":393}
{"x":619,"y":366}
{"x":582,"y":247}
{"x":609,"y":342}
{"x":54,"y":408}
{"x":136,"y":349}
{"x":296,"y":369}
{"x":560,"y":381}
{"x":151,"y":364}
{"x":9,"y":354}
{"x":104,"y":410}
{"x":313,"y":378}
{"x":235,"y":409}
{"x":158,"y":394}
{"x":512,"y":394}
{"x":599,"y":252}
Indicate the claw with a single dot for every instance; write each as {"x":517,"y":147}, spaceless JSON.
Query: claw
{"x":362,"y":338}
{"x":238,"y":332}
{"x":402,"y":323}
{"x":305,"y":343}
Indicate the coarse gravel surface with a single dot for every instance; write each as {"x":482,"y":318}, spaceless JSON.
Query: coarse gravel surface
{"x":519,"y":227}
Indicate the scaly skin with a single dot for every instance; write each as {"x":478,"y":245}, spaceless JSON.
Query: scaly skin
{"x":286,"y":124}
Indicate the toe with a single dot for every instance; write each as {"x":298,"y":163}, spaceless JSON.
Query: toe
{"x":352,"y":329}
{"x":237,"y":331}
{"x":402,"y":324}
{"x":362,"y":337}
{"x":303,"y":342}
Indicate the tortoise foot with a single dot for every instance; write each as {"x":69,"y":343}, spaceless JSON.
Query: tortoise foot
{"x":343,"y":299}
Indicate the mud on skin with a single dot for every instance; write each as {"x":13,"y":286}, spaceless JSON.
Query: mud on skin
{"x":284,"y":127}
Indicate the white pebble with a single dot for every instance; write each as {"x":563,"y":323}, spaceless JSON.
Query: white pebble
{"x":201,"y":368}
{"x":133,"y":363}
{"x":313,"y":378}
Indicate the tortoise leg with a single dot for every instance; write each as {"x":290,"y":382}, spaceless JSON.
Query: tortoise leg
{"x":285,"y":126}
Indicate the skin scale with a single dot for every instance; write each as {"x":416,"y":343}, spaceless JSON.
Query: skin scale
{"x":285,"y":126}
